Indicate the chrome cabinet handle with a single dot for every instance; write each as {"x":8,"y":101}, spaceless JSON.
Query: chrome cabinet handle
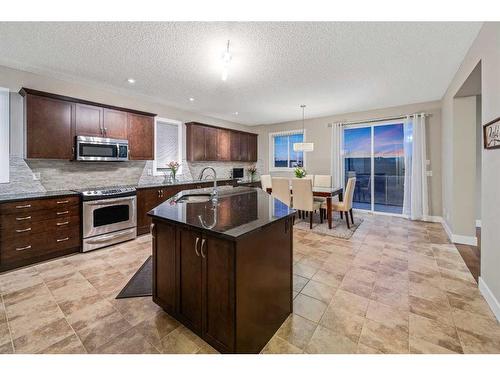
{"x":25,"y":206}
{"x":23,"y":248}
{"x":23,"y":230}
{"x":63,"y":223}
{"x":196,"y":246}
{"x":23,"y":218}
{"x":62,"y":213}
{"x":62,"y":202}
{"x":201,"y":248}
{"x":62,"y":239}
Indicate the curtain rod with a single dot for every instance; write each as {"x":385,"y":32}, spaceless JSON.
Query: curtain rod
{"x":400,"y":117}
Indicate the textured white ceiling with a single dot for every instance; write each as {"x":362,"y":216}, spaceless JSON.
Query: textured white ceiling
{"x":332,"y":67}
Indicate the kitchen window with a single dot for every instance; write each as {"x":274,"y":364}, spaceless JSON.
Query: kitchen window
{"x":283,"y":157}
{"x":168,"y":145}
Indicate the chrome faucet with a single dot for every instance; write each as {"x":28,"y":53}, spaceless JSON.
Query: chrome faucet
{"x":215,"y":192}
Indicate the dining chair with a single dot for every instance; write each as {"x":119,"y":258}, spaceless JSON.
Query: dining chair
{"x":281,"y":189}
{"x":265,"y":182}
{"x":322,"y":180}
{"x":303,"y":197}
{"x":345,"y":206}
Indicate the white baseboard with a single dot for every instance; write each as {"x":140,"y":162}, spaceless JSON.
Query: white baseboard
{"x":490,"y":298}
{"x":458,"y":238}
{"x":478,"y":223}
{"x":434,"y":219}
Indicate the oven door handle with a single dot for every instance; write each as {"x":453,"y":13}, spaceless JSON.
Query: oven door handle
{"x":110,"y":237}
{"x":108,"y":202}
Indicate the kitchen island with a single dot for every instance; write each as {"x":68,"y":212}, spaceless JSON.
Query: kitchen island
{"x":222,"y":265}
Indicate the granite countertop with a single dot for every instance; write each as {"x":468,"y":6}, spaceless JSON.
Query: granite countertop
{"x":238,"y":211}
{"x":176,"y":183}
{"x":4,"y":198}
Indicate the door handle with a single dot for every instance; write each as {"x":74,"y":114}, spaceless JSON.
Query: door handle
{"x":62,"y":213}
{"x":62,"y":239}
{"x":63,"y":223}
{"x":201,"y":248}
{"x":23,"y":218}
{"x":196,"y":246}
{"x":62,"y":202}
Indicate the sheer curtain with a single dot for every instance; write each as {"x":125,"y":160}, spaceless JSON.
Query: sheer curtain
{"x":337,"y":149}
{"x":415,"y":200}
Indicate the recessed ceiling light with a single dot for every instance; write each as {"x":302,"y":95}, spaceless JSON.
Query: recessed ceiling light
{"x":236,"y":113}
{"x":131,"y":80}
{"x":191,"y":99}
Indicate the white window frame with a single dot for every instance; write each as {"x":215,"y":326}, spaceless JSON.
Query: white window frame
{"x":180,"y":126}
{"x":272,"y":168}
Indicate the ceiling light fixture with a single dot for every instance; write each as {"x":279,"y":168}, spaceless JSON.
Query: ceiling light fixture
{"x":236,"y":113}
{"x":131,"y":81}
{"x":303,"y":146}
{"x":226,"y":59}
{"x":191,"y":99}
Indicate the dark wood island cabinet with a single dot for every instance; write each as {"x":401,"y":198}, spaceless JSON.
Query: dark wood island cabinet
{"x":224,"y":268}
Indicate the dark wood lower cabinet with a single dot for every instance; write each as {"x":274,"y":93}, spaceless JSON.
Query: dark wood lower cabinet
{"x":35,"y":230}
{"x":235,"y":294}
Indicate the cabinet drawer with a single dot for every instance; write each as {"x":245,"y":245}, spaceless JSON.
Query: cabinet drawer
{"x":29,"y":218}
{"x":23,"y":207}
{"x":35,"y":245}
{"x":20,"y":228}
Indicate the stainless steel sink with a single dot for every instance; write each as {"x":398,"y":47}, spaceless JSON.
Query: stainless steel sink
{"x":194,"y":198}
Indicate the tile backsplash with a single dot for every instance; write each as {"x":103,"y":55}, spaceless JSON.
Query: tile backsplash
{"x":69,"y":175}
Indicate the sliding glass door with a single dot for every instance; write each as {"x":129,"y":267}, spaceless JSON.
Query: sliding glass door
{"x":374,"y":155}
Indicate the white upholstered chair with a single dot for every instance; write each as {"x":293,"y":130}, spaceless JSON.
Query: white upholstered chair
{"x":322,"y":180}
{"x":281,"y":190}
{"x":346,"y":205}
{"x":303,"y":197}
{"x":265,"y":182}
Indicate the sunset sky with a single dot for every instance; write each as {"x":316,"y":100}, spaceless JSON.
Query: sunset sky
{"x":388,"y":141}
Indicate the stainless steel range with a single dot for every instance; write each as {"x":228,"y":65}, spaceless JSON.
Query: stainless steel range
{"x":109,"y":216}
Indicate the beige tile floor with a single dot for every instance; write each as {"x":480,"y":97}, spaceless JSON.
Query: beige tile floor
{"x":395,"y":287}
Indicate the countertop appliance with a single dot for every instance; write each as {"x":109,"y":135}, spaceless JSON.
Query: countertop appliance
{"x":109,"y":216}
{"x":101,"y":149}
{"x":237,"y":173}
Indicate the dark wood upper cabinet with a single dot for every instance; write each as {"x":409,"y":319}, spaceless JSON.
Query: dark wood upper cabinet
{"x":140,"y":137}
{"x":195,"y":141}
{"x":53,"y":121}
{"x":235,"y":146}
{"x":89,"y":120}
{"x":115,"y":124}
{"x":252,"y":147}
{"x":211,"y":143}
{"x":49,"y":133}
{"x":224,"y":144}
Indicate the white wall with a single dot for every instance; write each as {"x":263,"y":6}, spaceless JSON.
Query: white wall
{"x":317,"y":131}
{"x":485,"y":49}
{"x":4,"y":135}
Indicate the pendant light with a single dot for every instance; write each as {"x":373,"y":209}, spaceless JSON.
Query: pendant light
{"x":303,"y":146}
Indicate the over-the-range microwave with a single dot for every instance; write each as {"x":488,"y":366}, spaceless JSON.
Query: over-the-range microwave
{"x":101,"y":149}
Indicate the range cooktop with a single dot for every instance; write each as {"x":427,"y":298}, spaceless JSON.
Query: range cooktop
{"x":107,"y":192}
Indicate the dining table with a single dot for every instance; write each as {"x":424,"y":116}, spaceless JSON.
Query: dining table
{"x":325,"y":192}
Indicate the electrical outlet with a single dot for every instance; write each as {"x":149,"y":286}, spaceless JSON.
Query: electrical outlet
{"x":150,"y":172}
{"x":36,"y":176}
{"x":427,"y":162}
{"x":429,"y":173}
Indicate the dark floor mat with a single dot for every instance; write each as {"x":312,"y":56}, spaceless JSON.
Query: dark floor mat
{"x":141,"y":284}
